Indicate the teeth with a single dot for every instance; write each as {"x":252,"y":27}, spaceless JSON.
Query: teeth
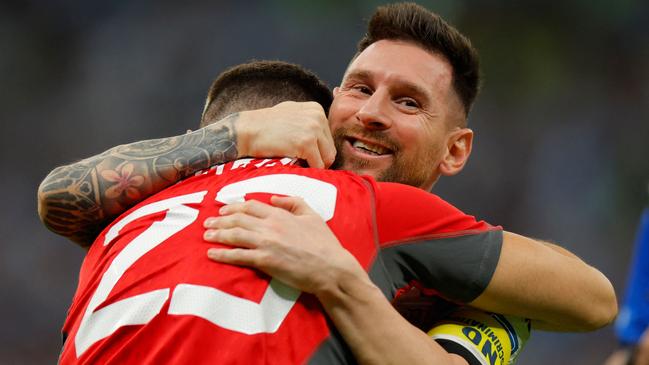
{"x":370,"y":147}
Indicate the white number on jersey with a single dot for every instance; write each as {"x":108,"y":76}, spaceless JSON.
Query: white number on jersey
{"x":205,"y":302}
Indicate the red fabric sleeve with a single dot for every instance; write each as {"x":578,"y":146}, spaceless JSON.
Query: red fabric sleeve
{"x":407,"y":213}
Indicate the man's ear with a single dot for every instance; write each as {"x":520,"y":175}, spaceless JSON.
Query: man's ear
{"x":336,"y":90}
{"x":458,"y":149}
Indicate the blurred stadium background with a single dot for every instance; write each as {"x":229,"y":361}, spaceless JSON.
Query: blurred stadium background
{"x":562,"y":122}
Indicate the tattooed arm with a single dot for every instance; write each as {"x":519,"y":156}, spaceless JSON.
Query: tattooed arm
{"x":78,"y":200}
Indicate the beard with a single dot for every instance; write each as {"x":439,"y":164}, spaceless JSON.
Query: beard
{"x":414,"y":170}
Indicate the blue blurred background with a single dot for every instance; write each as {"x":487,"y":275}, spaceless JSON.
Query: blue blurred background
{"x":562,"y":124}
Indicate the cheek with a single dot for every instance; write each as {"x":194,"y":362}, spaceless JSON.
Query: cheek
{"x":410,"y":135}
{"x":334,"y":116}
{"x":342,"y":108}
{"x":420,"y":143}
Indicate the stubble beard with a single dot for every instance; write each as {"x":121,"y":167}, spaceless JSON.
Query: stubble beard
{"x":402,"y":170}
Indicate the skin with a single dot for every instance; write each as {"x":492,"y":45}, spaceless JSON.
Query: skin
{"x":383,"y":101}
{"x":402,"y":110}
{"x":273,"y":239}
{"x":376,"y":106}
{"x":398,"y":96}
{"x":78,"y":200}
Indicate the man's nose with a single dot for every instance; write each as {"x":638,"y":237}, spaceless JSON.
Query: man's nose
{"x":373,"y":113}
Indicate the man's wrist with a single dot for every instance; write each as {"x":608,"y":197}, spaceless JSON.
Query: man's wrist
{"x":346,"y":287}
{"x":240,"y":123}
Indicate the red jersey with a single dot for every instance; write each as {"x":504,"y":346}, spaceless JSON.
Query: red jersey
{"x":148,"y":294}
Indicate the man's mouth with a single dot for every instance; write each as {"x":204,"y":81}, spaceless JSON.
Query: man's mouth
{"x":368,"y":147}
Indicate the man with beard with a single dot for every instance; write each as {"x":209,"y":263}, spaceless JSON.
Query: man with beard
{"x":146,"y":282}
{"x":408,"y":89}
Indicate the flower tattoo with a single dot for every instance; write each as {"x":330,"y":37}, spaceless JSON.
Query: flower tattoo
{"x":124,"y":182}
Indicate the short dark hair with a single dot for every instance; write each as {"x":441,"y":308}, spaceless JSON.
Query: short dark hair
{"x":262,"y":84}
{"x":412,"y":23}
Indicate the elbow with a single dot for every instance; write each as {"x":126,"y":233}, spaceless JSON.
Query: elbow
{"x":605,"y":316}
{"x":55,"y":208}
{"x":608,"y":312}
{"x":46,"y":207}
{"x":48,"y":198}
{"x":42,"y":202}
{"x":66,"y":212}
{"x":603,"y":310}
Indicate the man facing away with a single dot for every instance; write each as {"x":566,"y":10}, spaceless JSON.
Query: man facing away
{"x":148,"y":294}
{"x":383,"y":103}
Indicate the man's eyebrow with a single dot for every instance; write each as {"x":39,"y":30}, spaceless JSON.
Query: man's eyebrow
{"x":411,"y":89}
{"x":358,"y":75}
{"x":401,"y":86}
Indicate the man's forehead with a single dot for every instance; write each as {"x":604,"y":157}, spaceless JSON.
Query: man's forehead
{"x":405,"y":67}
{"x":401,"y":60}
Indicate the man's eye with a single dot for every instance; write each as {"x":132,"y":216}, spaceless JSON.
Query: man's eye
{"x":409,"y":103}
{"x":363,"y":89}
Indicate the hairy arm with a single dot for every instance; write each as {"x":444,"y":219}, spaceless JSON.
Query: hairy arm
{"x":525,"y":277}
{"x":78,"y":200}
{"x":535,"y":280}
{"x":550,"y":285}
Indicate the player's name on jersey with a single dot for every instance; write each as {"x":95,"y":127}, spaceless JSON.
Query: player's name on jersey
{"x":245,"y":162}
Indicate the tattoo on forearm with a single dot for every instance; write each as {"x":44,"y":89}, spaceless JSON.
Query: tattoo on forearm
{"x":78,"y":200}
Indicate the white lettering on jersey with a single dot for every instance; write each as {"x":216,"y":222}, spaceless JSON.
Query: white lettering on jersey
{"x":244,"y":162}
{"x":219,"y":170}
{"x":265,"y":161}
{"x":323,"y":202}
{"x":142,"y":308}
{"x":241,"y":163}
{"x":220,"y":308}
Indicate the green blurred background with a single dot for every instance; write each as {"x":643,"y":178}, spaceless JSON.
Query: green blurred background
{"x":562,"y":122}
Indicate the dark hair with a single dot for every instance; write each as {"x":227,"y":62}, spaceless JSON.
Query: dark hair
{"x":262,"y":84}
{"x":413,"y":23}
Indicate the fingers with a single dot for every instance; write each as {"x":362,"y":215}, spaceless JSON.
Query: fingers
{"x":239,"y":225}
{"x":326,"y":145}
{"x":237,"y":237}
{"x":236,"y":226}
{"x":241,"y":220}
{"x":325,"y":139}
{"x":293,"y":204}
{"x":312,"y":155}
{"x":327,"y":149}
{"x":251,"y":207}
{"x":317,"y":148}
{"x":295,"y":129}
{"x":320,"y":153}
{"x":234,"y":256}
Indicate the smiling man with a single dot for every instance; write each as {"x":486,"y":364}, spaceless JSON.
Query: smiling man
{"x":400,"y":115}
{"x":394,"y":112}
